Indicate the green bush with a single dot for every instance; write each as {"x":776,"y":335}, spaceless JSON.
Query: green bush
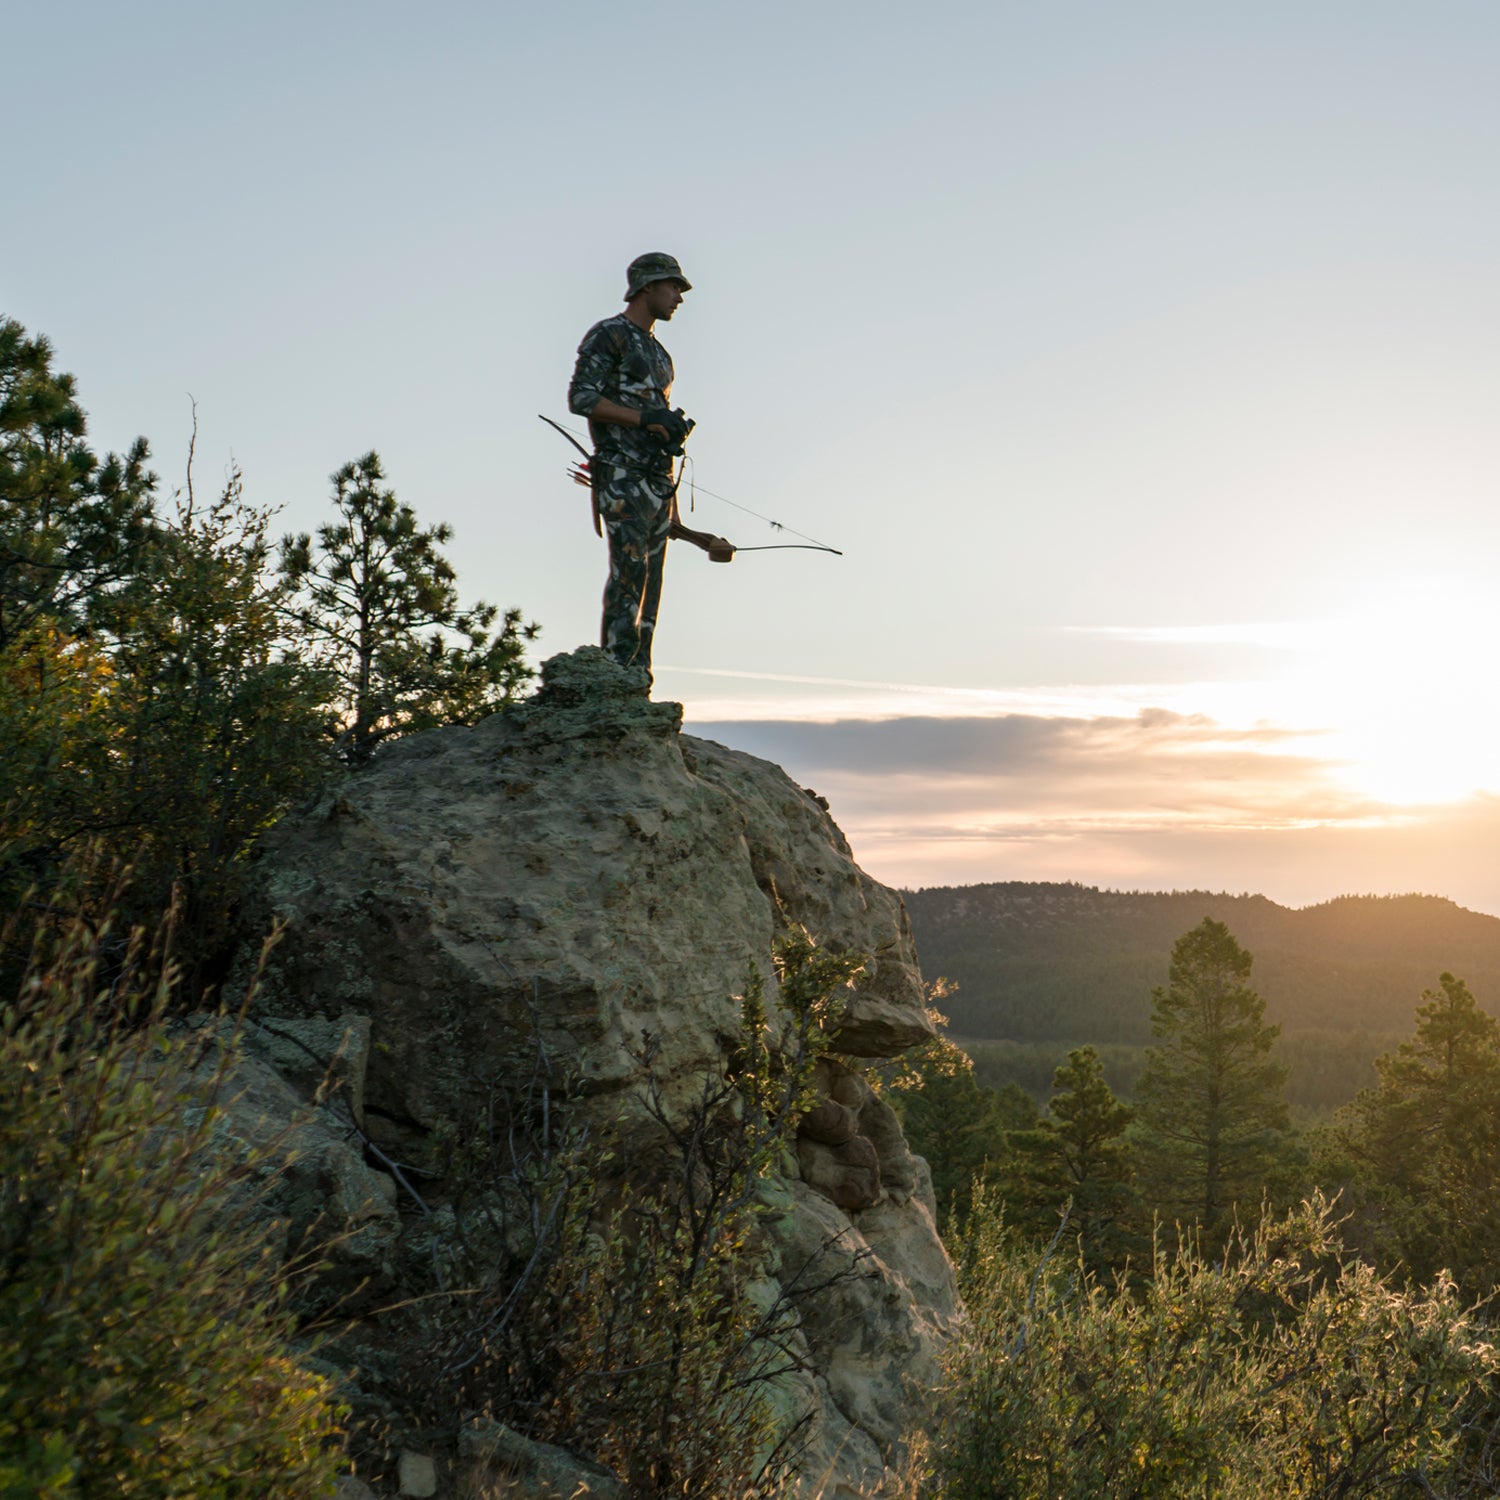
{"x":612,"y":1292}
{"x":1283,"y":1369}
{"x":147,"y":1348}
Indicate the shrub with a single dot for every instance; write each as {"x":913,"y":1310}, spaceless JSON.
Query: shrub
{"x":1283,"y":1369}
{"x":147,"y":1350}
{"x":613,"y":1289}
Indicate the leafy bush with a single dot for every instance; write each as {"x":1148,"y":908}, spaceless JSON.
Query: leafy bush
{"x":608,"y":1292}
{"x":1283,"y":1369}
{"x":147,"y":1349}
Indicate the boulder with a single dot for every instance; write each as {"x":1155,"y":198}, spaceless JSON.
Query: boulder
{"x":848,"y":1175}
{"x":574,"y":881}
{"x":416,"y":1473}
{"x":829,"y":1123}
{"x":313,"y":1179}
{"x":539,"y":1471}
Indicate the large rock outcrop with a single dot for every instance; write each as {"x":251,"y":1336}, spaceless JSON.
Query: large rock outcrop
{"x":565,"y":878}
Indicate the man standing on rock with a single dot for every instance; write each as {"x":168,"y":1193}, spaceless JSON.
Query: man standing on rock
{"x":623,"y":384}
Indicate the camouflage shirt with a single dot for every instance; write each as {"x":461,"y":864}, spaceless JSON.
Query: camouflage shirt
{"x":619,"y":360}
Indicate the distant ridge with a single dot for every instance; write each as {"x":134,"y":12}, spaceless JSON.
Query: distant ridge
{"x":1041,"y":961}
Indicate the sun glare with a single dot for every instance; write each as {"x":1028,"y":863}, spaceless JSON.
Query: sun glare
{"x":1408,"y":696}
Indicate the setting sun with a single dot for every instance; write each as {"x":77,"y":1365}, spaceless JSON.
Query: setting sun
{"x":1405,"y":694}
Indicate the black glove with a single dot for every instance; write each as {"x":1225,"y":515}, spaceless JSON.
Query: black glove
{"x":675,"y":423}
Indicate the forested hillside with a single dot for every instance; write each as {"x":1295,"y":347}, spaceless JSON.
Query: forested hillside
{"x":1053,"y":962}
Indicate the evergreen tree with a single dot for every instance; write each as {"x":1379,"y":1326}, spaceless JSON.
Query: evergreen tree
{"x":71,"y":528}
{"x":1211,"y":1102}
{"x":1077,"y":1156}
{"x":1426,"y":1143}
{"x":376,"y":581}
{"x":151,"y":709}
{"x":69,"y":523}
{"x":962,"y":1129}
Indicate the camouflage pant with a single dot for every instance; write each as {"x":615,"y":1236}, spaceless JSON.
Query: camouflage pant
{"x":637,"y":510}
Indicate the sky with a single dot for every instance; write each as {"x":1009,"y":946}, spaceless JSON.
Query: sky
{"x":1141,"y":360}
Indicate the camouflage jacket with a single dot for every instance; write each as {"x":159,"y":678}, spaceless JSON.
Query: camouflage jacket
{"x":625,"y":363}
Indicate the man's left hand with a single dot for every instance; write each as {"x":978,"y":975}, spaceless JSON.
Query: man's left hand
{"x":719,"y":549}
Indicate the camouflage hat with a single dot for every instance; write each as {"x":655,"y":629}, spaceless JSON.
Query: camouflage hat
{"x":654,"y":266}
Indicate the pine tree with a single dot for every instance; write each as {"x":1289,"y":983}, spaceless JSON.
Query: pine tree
{"x":71,"y":528}
{"x":961,"y":1129}
{"x":1426,"y":1142}
{"x":1211,"y":1101}
{"x":69,"y":522}
{"x":1077,"y":1157}
{"x":150,"y":711}
{"x":373,"y":584}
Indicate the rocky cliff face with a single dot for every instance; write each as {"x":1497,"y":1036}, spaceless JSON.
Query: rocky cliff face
{"x":560,"y":881}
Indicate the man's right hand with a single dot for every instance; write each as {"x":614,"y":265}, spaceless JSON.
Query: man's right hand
{"x":667,"y":424}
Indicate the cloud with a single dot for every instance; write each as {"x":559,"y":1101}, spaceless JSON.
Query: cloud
{"x":1285,"y":635}
{"x":830,"y":700}
{"x":1156,"y":800}
{"x":1156,"y":759}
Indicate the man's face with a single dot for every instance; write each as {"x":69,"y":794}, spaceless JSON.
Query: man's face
{"x":663,"y":298}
